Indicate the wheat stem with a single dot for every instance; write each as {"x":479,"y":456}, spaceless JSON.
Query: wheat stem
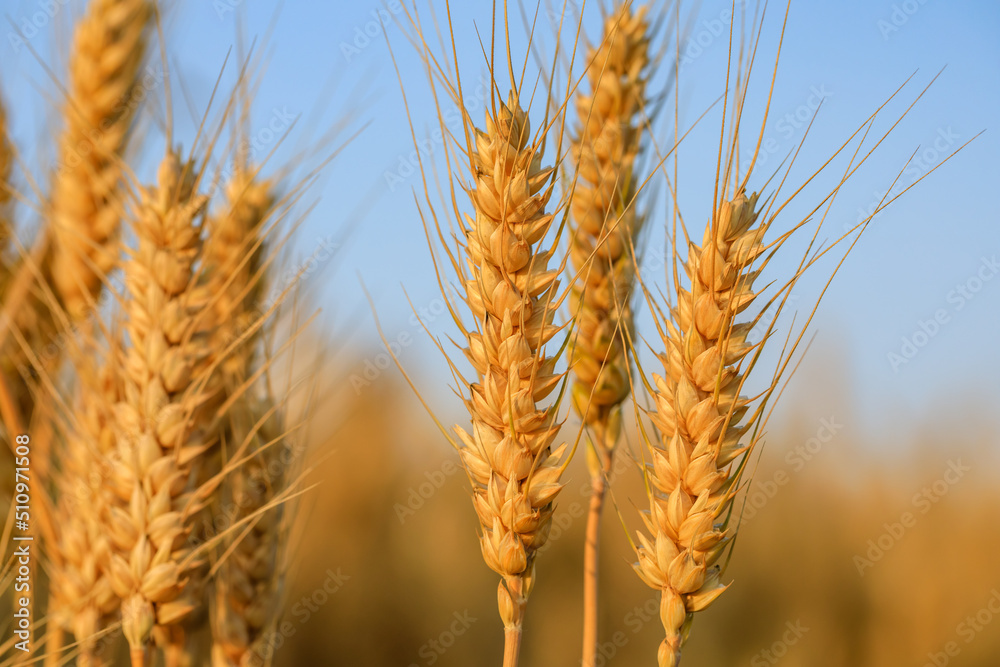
{"x":591,"y":561}
{"x":511,"y":646}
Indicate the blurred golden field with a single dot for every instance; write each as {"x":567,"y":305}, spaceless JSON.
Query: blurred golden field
{"x":392,"y":523}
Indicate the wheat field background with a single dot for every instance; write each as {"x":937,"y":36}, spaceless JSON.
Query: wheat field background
{"x":871,"y":512}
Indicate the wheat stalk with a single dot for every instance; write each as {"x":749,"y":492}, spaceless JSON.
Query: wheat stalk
{"x":163,"y":424}
{"x":606,"y":224}
{"x":107,"y":53}
{"x":510,"y":453}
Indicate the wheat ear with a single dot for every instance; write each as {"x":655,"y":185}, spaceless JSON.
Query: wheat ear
{"x":82,"y":599}
{"x":248,"y":583}
{"x":108,"y":50}
{"x":605,"y":226}
{"x":234,"y":254}
{"x":163,"y":423}
{"x":12,"y":396}
{"x":509,"y":452}
{"x":700,"y":418}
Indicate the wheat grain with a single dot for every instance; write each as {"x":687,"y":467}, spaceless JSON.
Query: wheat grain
{"x":86,"y":204}
{"x":700,"y":419}
{"x":605,"y":227}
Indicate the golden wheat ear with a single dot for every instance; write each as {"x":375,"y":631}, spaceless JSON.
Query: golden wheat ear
{"x":510,"y":295}
{"x":81,"y":599}
{"x":107,"y":53}
{"x":704,"y":428}
{"x":243,"y":600}
{"x":604,"y":226}
{"x":164,"y":423}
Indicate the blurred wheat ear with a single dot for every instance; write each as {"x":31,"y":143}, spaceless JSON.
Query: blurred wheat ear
{"x":60,"y":280}
{"x":164,"y":423}
{"x":605,"y":225}
{"x":87,"y":203}
{"x":247,"y":580}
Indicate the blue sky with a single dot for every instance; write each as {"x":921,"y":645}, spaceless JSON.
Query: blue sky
{"x":927,"y":257}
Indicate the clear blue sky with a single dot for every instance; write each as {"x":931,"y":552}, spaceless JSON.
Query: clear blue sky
{"x":905,"y":270}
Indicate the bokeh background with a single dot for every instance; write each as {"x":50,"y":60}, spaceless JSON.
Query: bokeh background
{"x":893,"y":411}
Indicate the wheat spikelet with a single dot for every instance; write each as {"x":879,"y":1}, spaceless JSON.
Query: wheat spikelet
{"x":605,"y":227}
{"x":107,"y":52}
{"x":509,"y":452}
{"x":700,"y":418}
{"x":163,"y":423}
